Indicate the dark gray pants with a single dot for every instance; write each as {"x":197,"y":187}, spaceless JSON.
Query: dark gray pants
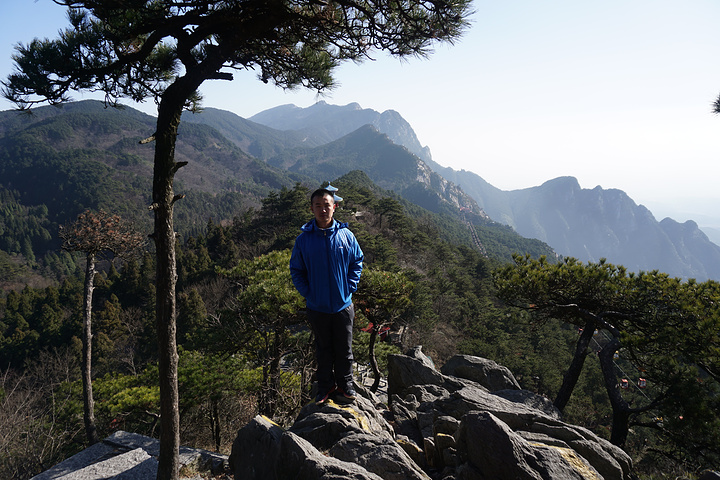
{"x":333,"y":347}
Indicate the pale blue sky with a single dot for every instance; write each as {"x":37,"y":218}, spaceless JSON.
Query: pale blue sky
{"x":615,"y":93}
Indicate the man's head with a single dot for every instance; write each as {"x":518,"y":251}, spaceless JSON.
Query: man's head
{"x":322,"y":204}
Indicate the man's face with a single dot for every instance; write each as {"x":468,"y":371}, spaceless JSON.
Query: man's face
{"x":323,"y":207}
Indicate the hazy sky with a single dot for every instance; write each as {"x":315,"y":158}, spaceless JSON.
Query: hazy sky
{"x":615,"y":93}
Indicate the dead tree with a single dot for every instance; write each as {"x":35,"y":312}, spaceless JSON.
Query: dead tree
{"x":96,"y":234}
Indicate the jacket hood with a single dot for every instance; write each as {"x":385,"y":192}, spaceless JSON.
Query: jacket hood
{"x":311,"y":226}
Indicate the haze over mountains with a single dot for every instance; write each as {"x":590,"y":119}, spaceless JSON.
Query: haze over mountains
{"x":586,"y":224}
{"x":236,"y":161}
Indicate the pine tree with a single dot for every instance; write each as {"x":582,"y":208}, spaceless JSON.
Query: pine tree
{"x":165,"y":50}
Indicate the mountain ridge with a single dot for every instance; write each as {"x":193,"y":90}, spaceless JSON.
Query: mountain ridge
{"x":330,"y":122}
{"x":588,"y":224}
{"x":568,"y":218}
{"x":58,"y":162}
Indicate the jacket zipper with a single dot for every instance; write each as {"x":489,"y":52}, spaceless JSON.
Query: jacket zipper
{"x":330,"y":269}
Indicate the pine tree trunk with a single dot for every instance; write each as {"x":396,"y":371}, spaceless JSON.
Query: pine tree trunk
{"x":170,"y":109}
{"x":373,"y":360}
{"x":620,"y":408}
{"x":273,"y":373}
{"x":575,"y":369}
{"x":88,"y":402}
{"x":169,"y":112}
{"x":215,"y":423}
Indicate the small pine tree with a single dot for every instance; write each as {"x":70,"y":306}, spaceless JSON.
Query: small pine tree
{"x":96,"y":234}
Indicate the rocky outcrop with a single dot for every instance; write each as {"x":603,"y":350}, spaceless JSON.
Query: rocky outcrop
{"x":469,"y":420}
{"x":327,"y":441}
{"x":131,"y":456}
{"x":481,"y":370}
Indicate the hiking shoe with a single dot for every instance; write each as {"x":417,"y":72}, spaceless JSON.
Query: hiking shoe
{"x":345,"y":396}
{"x":324,"y":397}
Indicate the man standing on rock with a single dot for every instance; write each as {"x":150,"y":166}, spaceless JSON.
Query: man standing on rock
{"x":325,"y":265}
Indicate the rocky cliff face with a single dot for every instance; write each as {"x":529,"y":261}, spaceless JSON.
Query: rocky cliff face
{"x":469,"y":420}
{"x":590,"y":224}
{"x":447,"y":190}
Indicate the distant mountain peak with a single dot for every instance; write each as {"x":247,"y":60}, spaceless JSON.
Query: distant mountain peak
{"x":567,"y":182}
{"x":328,"y":122}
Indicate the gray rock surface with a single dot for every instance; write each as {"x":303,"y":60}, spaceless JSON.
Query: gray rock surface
{"x":136,"y":464}
{"x":127,"y":456}
{"x":262,"y":450}
{"x":256,"y":450}
{"x":481,"y":370}
{"x":90,"y":455}
{"x":437,"y":426}
{"x":531,"y":400}
{"x":302,"y":461}
{"x":527,"y":422}
{"x":511,"y":456}
{"x":378,"y":454}
{"x":709,"y":475}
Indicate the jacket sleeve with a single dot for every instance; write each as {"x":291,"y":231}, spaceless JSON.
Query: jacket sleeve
{"x":298,"y":271}
{"x":356,"y":266}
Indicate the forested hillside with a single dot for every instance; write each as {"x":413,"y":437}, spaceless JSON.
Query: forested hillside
{"x":57,"y":162}
{"x":386,"y":163}
{"x":233,"y":289}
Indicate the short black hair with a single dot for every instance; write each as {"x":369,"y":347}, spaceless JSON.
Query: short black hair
{"x":321,"y":192}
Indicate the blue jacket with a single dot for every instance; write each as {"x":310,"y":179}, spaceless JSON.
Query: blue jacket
{"x":326,"y":265}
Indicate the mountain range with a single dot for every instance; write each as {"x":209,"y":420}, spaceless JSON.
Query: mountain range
{"x":57,"y":162}
{"x":87,"y":156}
{"x":588,"y":224}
